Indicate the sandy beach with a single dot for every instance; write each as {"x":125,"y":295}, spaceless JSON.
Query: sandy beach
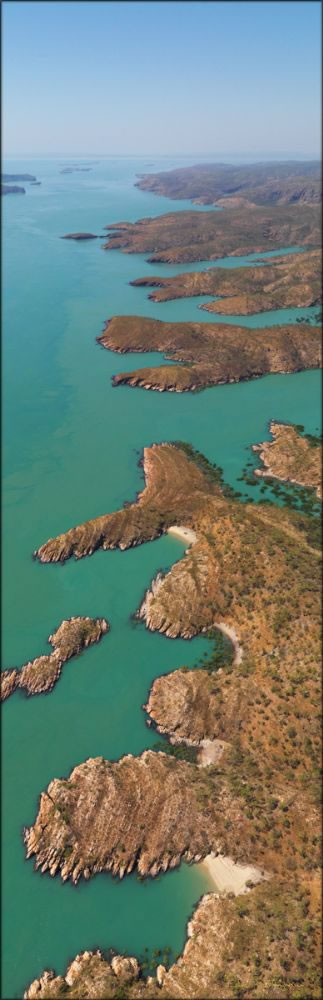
{"x":186,"y":534}
{"x":229,"y":876}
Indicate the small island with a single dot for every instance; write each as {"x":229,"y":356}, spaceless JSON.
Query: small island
{"x":80,"y":236}
{"x":40,"y":675}
{"x":292,"y":456}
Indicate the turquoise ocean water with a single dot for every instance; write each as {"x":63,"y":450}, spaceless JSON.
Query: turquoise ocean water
{"x":71,"y":445}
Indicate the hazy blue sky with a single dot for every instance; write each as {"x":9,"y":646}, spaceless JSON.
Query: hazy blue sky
{"x":177,"y":77}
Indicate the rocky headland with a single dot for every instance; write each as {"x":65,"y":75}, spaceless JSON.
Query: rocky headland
{"x":40,"y":675}
{"x":180,"y":237}
{"x":294,"y":183}
{"x":209,"y":354}
{"x":290,"y":281}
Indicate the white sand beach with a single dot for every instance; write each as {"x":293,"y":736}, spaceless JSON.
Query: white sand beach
{"x":229,"y":876}
{"x":186,"y":534}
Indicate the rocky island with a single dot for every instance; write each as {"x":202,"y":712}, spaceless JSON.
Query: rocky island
{"x":209,"y":354}
{"x":40,"y":675}
{"x":80,"y":236}
{"x":292,"y":456}
{"x":293,"y":280}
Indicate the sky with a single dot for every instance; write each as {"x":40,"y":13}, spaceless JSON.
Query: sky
{"x":161,"y":77}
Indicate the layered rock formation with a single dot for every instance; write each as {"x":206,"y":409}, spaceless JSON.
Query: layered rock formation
{"x":147,"y":812}
{"x":40,"y":675}
{"x":209,"y":354}
{"x":293,"y":280}
{"x":290,"y":456}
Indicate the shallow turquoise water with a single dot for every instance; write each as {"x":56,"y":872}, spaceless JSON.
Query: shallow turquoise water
{"x":71,"y":447}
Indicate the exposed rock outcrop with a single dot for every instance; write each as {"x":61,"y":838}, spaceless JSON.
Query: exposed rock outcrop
{"x":40,"y":675}
{"x":290,"y":456}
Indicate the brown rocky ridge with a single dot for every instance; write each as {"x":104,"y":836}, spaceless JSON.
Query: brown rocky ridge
{"x":239,"y":230}
{"x":209,"y":353}
{"x":293,"y":280}
{"x":291,"y":182}
{"x":290,"y":456}
{"x":41,"y":674}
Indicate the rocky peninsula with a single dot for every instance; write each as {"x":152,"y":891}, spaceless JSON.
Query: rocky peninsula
{"x":288,"y":281}
{"x":180,"y":237}
{"x":293,"y":182}
{"x":209,"y":354}
{"x":292,"y":456}
{"x":40,"y":675}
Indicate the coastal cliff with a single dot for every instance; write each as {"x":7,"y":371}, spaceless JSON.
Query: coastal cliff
{"x":40,"y":675}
